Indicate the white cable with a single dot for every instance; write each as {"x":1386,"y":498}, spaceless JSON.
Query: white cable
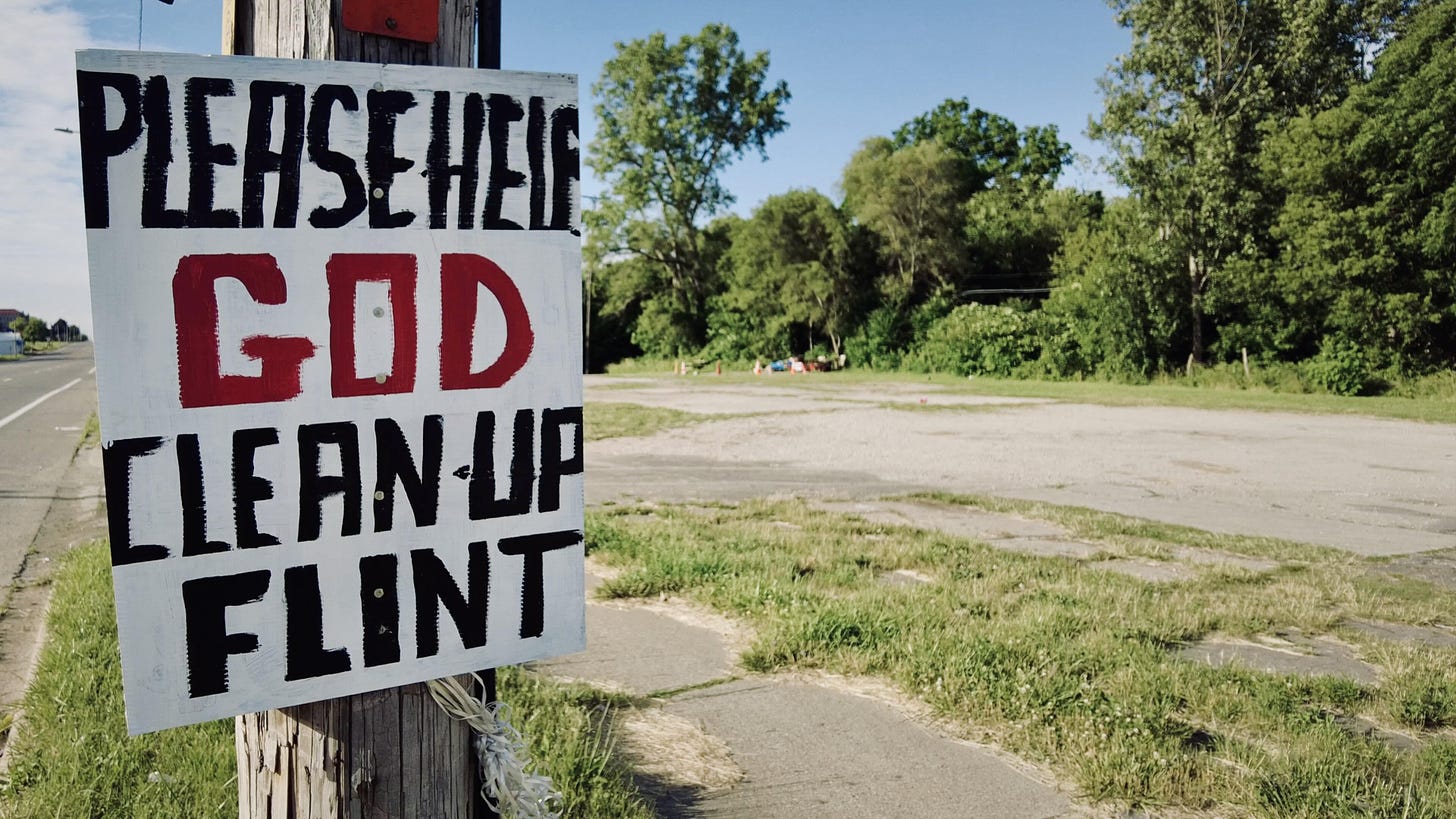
{"x":507,"y":786}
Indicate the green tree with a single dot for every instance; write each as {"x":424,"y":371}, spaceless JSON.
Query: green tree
{"x":1012,"y":235}
{"x":958,"y":198}
{"x":31,"y":329}
{"x":1369,"y":259}
{"x":992,"y":151}
{"x":671,"y":118}
{"x":631,"y":308}
{"x":911,"y":199}
{"x":792,"y":265}
{"x":1187,"y":107}
{"x":1115,"y":309}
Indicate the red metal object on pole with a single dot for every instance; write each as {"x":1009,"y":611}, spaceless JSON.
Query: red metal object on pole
{"x":416,"y":20}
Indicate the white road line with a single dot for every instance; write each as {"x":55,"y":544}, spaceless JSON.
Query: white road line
{"x":91,"y":371}
{"x":37,"y":402}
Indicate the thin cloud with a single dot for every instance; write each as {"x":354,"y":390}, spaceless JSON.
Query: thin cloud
{"x":42,"y":233}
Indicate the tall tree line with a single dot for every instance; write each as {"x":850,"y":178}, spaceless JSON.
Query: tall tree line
{"x":1291,"y":193}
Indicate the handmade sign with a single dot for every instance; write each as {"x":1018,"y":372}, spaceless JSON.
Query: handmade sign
{"x":338,"y":325}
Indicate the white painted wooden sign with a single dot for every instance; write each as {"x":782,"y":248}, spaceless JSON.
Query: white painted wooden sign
{"x":338,"y":326}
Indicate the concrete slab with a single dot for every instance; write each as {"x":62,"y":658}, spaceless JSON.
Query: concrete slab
{"x":1369,"y":486}
{"x":1006,"y":532}
{"x":632,"y":477}
{"x":1037,"y":537}
{"x":940,"y":400}
{"x":1223,"y":560}
{"x":1361,"y":727}
{"x":643,"y":652}
{"x":804,"y":749}
{"x":1309,"y":657}
{"x":1426,"y":635}
{"x":717,"y":400}
{"x":953,"y":520}
{"x":1438,"y":568}
{"x":76,"y":514}
{"x":1153,"y":571}
{"x":1048,"y":547}
{"x":808,"y":750}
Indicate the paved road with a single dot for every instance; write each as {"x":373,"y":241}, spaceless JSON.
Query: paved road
{"x":44,"y":403}
{"x":1371,"y":486}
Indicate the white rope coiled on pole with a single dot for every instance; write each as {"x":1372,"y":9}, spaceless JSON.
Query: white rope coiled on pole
{"x":506,"y":785}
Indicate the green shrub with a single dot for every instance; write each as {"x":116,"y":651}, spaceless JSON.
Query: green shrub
{"x":1341,"y":368}
{"x":977,"y":339}
{"x":1271,"y":376}
{"x":878,"y":341}
{"x":1119,"y":299}
{"x":1435,"y":385}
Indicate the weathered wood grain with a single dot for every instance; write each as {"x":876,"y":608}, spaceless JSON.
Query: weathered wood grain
{"x":387,"y":754}
{"x":313,"y":29}
{"x":382,"y":755}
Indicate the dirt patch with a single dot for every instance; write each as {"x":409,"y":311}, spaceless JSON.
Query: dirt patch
{"x":674,"y":753}
{"x":905,"y":579}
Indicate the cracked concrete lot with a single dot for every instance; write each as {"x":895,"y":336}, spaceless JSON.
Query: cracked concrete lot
{"x":1367,"y":485}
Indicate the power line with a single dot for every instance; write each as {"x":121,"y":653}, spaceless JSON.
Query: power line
{"x":1005,"y":291}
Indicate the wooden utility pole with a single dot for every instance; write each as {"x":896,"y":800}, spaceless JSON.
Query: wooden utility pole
{"x":390,"y":754}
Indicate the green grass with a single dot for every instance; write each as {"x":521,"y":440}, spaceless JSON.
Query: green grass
{"x":1431,"y":400}
{"x":1074,"y":667}
{"x":1178,"y":395}
{"x":665,"y":366}
{"x":73,"y":758}
{"x":566,"y":727}
{"x":90,"y":434}
{"x":1123,"y":534}
{"x":622,"y":420}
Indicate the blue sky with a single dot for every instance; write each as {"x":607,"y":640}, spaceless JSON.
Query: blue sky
{"x":855,"y":70}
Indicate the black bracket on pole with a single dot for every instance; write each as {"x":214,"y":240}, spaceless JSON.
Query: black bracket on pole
{"x":487,"y":33}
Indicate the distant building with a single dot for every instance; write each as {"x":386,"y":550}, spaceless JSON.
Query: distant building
{"x":11,"y":343}
{"x":8,"y":315}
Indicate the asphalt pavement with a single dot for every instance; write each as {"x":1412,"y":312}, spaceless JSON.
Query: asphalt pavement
{"x":50,"y":499}
{"x":44,"y":403}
